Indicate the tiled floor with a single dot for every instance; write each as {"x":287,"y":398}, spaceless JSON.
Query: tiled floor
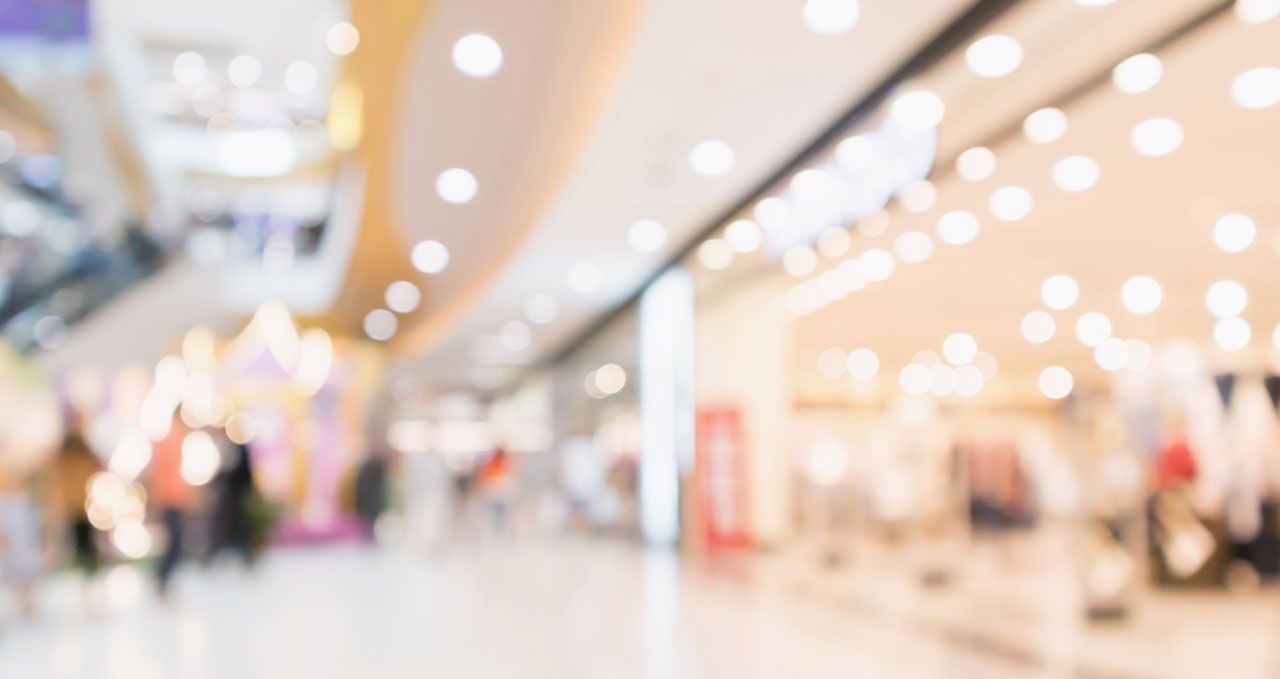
{"x":556,"y":609}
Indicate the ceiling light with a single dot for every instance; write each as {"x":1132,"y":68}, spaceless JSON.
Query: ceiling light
{"x":1092,"y":328}
{"x":862,"y":364}
{"x":188,"y":68}
{"x":834,"y":242}
{"x":976,"y":164}
{"x":541,"y":308}
{"x":300,"y":77}
{"x":1059,"y":292}
{"x":773,"y":213}
{"x":1156,"y":137}
{"x":876,"y":264}
{"x":515,"y":336}
{"x":380,"y":325}
{"x":244,"y":71}
{"x":1011,"y":203}
{"x":1045,"y":126}
{"x":1111,"y":354}
{"x":993,"y":56}
{"x":711,"y":158}
{"x":342,"y":38}
{"x":1257,"y":11}
{"x":917,"y":110}
{"x":1226,"y":298}
{"x":831,"y":363}
{"x":1076,"y":173}
{"x":1257,"y":88}
{"x":1139,"y":355}
{"x":743,"y":236}
{"x":914,"y":379}
{"x":456,"y":185}
{"x":647,"y":235}
{"x":477,"y":55}
{"x":812,"y":185}
{"x":857,"y":152}
{"x":1231,"y":334}
{"x":831,"y":17}
{"x":584,"y":277}
{"x":610,"y":378}
{"x":852,"y":273}
{"x":715,"y":254}
{"x":969,"y":380}
{"x":957,"y":227}
{"x":429,"y":256}
{"x":802,"y":299}
{"x":1055,"y":382}
{"x":1138,"y":73}
{"x":959,"y":348}
{"x":800,"y":260}
{"x":1233,"y":233}
{"x":918,"y":196}
{"x":913,"y":247}
{"x":942,"y":380}
{"x":1141,"y":294}
{"x":403,"y":297}
{"x":832,"y":285}
{"x":1038,"y":327}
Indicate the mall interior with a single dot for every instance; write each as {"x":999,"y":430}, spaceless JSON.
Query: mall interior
{"x":639,"y":338}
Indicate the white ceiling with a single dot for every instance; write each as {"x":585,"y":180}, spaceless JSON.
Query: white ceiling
{"x":749,"y":74}
{"x":1146,"y":216}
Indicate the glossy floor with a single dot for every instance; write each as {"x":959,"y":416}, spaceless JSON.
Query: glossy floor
{"x":593,"y":609}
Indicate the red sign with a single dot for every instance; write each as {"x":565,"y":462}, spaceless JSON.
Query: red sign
{"x":720,"y":473}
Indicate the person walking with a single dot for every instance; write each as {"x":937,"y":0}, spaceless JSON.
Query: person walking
{"x":171,"y":497}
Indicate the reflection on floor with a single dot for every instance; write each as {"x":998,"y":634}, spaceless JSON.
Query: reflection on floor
{"x":600,"y":609}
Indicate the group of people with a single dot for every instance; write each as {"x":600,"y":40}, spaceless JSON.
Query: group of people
{"x":46,"y":513}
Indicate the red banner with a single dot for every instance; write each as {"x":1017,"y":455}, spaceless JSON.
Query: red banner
{"x":720,"y":471}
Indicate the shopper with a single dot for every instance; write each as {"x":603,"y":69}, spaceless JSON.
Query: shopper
{"x":171,"y":497}
{"x":19,"y":540}
{"x":233,"y":517}
{"x":70,"y":474}
{"x":497,"y":484}
{"x":372,"y":490}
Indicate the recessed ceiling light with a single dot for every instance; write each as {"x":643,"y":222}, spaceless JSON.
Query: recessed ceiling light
{"x":1139,"y":355}
{"x":743,"y":235}
{"x":1011,"y":203}
{"x":1233,"y":233}
{"x":834,"y":241}
{"x":914,"y":379}
{"x":772,"y":213}
{"x":1059,"y":291}
{"x":957,"y":227}
{"x":584,"y":277}
{"x":1045,"y":126}
{"x":1257,"y":88}
{"x":647,"y":235}
{"x":1092,"y":328}
{"x":1226,"y":298}
{"x":1076,"y":173}
{"x":244,"y":71}
{"x":918,"y":196}
{"x":994,"y":56}
{"x":342,"y":38}
{"x":1232,"y":334}
{"x":430,"y":256}
{"x":300,"y":77}
{"x":477,"y":55}
{"x":913,"y":247}
{"x":403,"y":297}
{"x":1111,"y":354}
{"x":831,"y":17}
{"x":541,"y":308}
{"x":862,"y":364}
{"x":1141,"y":294}
{"x":1257,"y":11}
{"x":1138,"y":73}
{"x":876,"y":264}
{"x":917,"y":110}
{"x":976,"y":164}
{"x":380,"y":325}
{"x":959,"y":348}
{"x":456,"y":185}
{"x":1038,"y":327}
{"x":188,"y":68}
{"x":1056,"y":382}
{"x":1156,"y":137}
{"x":711,"y":158}
{"x":799,"y":260}
{"x":715,"y":254}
